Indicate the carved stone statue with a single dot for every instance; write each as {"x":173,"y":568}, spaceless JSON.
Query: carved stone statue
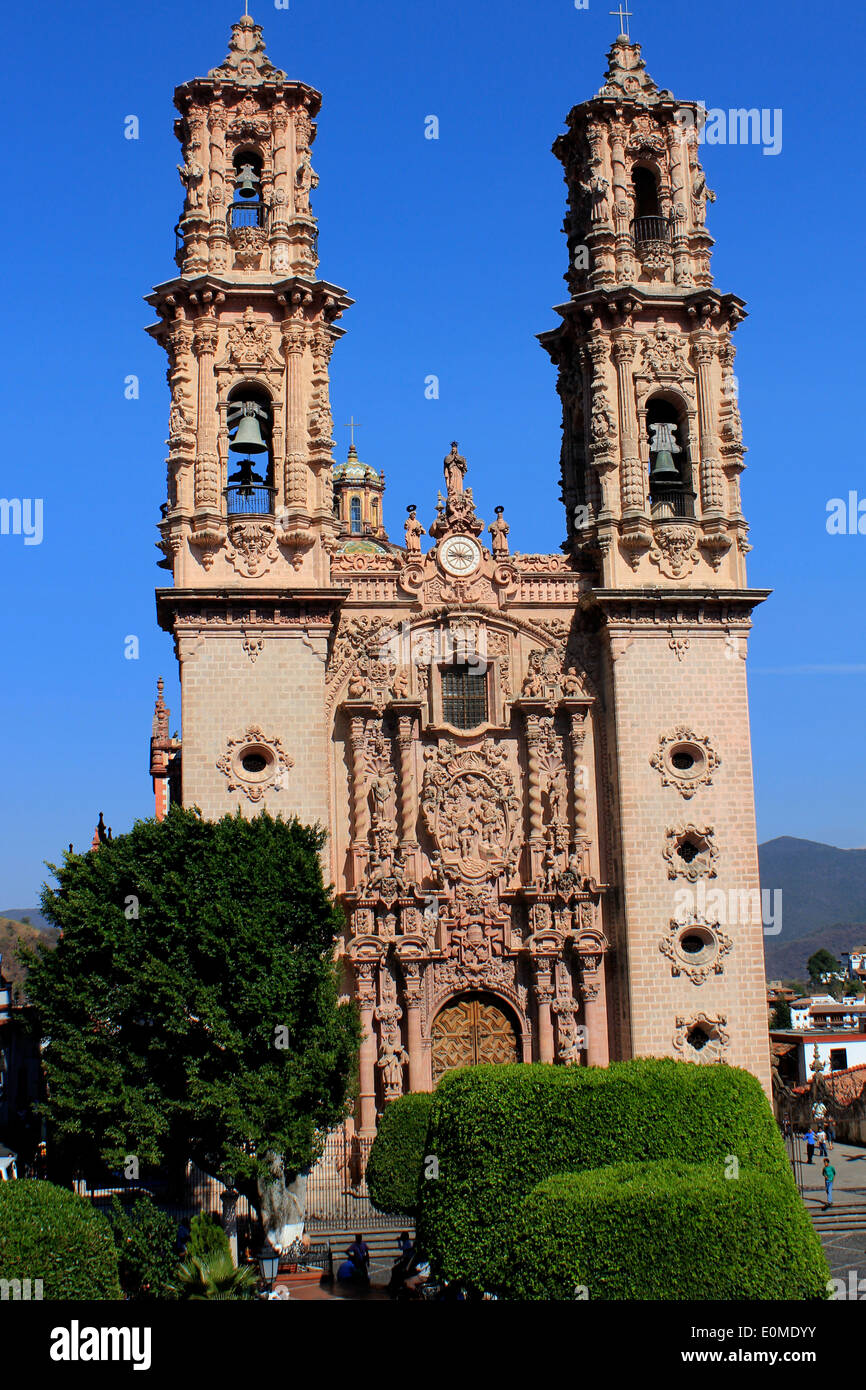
{"x":455,"y":470}
{"x":414,"y":531}
{"x":499,"y":532}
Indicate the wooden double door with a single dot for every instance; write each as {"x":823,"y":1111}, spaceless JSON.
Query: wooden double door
{"x":472,"y":1030}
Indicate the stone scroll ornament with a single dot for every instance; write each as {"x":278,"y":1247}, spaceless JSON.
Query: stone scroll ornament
{"x":687,"y":780}
{"x":471,"y":809}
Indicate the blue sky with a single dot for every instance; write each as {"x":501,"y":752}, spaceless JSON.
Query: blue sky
{"x":454,"y":254}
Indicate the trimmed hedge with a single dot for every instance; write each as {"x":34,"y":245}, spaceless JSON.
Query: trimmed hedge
{"x":54,"y":1235}
{"x":498,"y":1131}
{"x":664,"y":1230}
{"x":396,"y":1159}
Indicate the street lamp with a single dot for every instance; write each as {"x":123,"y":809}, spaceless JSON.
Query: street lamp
{"x":269,"y":1264}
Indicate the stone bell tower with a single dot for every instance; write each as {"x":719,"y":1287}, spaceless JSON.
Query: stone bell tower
{"x":652,"y":454}
{"x":248,"y":328}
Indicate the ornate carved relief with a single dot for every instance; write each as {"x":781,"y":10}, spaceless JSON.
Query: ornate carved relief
{"x":674,"y":550}
{"x":701,"y":1038}
{"x":685,"y":760}
{"x":255,"y":763}
{"x":695,"y":948}
{"x":251,"y":549}
{"x":471,"y":809}
{"x":691,"y":852}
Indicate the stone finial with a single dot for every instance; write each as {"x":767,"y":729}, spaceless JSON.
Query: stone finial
{"x":626,"y":73}
{"x":246,"y":60}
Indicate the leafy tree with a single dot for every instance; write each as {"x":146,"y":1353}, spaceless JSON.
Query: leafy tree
{"x":822,"y":962}
{"x":191,"y":1006}
{"x":49,"y":1233}
{"x":146,"y":1240}
{"x":214,"y":1276}
{"x":781,"y":1017}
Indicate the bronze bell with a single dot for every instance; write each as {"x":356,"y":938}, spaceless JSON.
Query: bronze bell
{"x":664,"y":446}
{"x":248,"y":436}
{"x":248,"y":182}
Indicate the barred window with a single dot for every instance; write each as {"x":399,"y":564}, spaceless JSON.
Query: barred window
{"x":464,"y":696}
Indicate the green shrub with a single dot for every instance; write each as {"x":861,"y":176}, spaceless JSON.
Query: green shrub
{"x":206,"y":1237}
{"x":665,"y":1230}
{"x":146,"y":1240}
{"x":498,"y":1131}
{"x":54,"y":1235}
{"x":396,"y":1159}
{"x":214,"y":1276}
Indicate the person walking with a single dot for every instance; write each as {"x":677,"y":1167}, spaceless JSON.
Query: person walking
{"x":821,"y":1137}
{"x":809,"y":1141}
{"x":831,"y":1133}
{"x":829,"y":1175}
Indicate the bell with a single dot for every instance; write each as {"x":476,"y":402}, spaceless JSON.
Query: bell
{"x":248,"y":437}
{"x":248,"y":181}
{"x":664,"y":470}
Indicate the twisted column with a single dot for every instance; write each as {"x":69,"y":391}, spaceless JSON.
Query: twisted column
{"x":360,"y":817}
{"x":712,"y":487}
{"x":632,"y":490}
{"x":578,"y":769}
{"x":408,"y":807}
{"x":534,"y":740}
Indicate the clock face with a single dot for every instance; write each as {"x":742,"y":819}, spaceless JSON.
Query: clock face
{"x":460,"y":555}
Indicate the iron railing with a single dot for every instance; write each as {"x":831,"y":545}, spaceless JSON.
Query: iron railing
{"x":248,"y":214}
{"x":251,"y":499}
{"x":644,"y":229}
{"x":672,"y":501}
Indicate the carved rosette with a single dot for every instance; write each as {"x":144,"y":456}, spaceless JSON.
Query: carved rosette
{"x":255,"y":763}
{"x":685,"y":760}
{"x":695,"y":948}
{"x":701,"y":1037}
{"x":690,"y":851}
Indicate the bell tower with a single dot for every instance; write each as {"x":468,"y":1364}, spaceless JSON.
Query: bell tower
{"x":652,"y":453}
{"x":249,"y":521}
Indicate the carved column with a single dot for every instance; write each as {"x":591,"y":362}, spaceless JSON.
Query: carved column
{"x":418,"y":1080}
{"x":279,"y":232}
{"x":592,"y":992}
{"x":294,"y":473}
{"x":365,"y":972}
{"x":360,"y":810}
{"x":408,"y":804}
{"x":204,"y":346}
{"x":621,"y":204}
{"x":219,"y":241}
{"x":534,"y":751}
{"x":712,"y":484}
{"x":632,"y":490}
{"x":544,"y":998}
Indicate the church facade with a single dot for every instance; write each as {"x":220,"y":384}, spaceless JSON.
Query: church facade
{"x":534,"y":770}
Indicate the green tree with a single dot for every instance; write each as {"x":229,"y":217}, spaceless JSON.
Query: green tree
{"x":781,"y":1015}
{"x":206,"y":1236}
{"x":822,"y":962}
{"x":146,"y":1240}
{"x":191,"y":1006}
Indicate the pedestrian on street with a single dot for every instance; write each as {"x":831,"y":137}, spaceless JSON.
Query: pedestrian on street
{"x":829,"y":1175}
{"x":831,"y":1133}
{"x":809,"y":1141}
{"x":821,"y":1137}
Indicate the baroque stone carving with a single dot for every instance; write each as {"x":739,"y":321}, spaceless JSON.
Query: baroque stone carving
{"x":251,"y":550}
{"x":267,"y":763}
{"x":687,"y":957}
{"x":691,"y":852}
{"x":471,"y":809}
{"x":701,"y":1037}
{"x":674,"y":550}
{"x":680,"y":744}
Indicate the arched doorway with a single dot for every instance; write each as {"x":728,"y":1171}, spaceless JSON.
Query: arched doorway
{"x":473,"y":1029}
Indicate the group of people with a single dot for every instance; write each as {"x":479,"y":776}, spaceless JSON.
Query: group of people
{"x":821,"y":1139}
{"x":409,"y":1273}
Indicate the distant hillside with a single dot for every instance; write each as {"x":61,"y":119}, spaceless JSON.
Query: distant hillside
{"x":13,"y":934}
{"x":33,"y":915}
{"x":823,"y":901}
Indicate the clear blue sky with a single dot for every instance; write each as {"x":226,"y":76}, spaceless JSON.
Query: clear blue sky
{"x":454,"y":254}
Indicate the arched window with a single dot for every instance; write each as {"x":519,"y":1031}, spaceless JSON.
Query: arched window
{"x":374,"y":510}
{"x":249,"y":417}
{"x":670,"y":479}
{"x":355,"y":516}
{"x":247,"y":209}
{"x":648,"y":224}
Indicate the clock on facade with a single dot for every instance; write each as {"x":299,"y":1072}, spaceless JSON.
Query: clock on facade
{"x":460,"y":555}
